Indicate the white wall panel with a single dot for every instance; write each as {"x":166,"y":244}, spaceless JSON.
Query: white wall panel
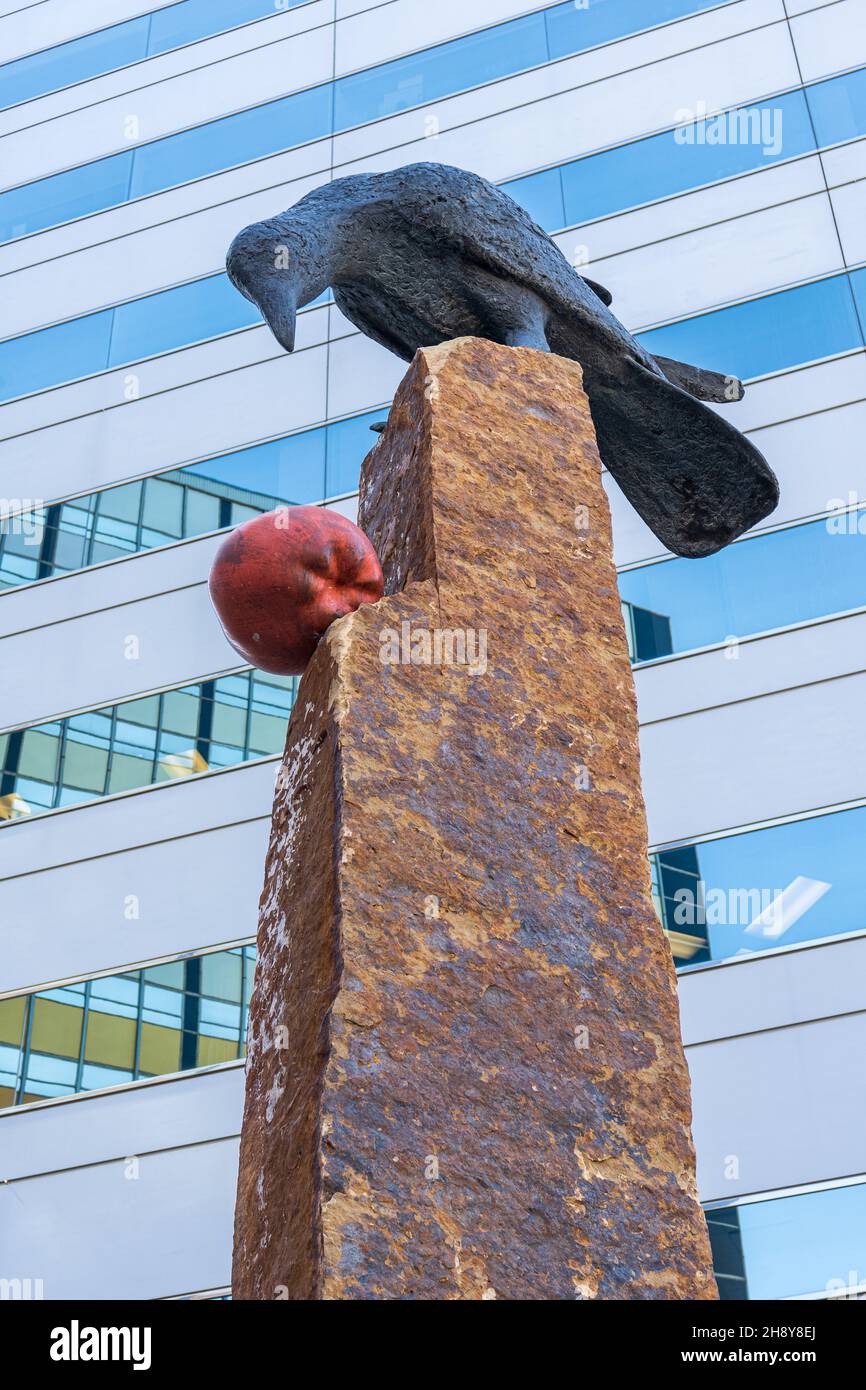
{"x":195,"y":421}
{"x":734,"y":764}
{"x":110,"y":827}
{"x":191,"y":852}
{"x":800,"y":6}
{"x":186,"y":1109}
{"x":81,"y":663}
{"x":172,"y":104}
{"x":766,"y":188}
{"x":670,"y":279}
{"x":190,"y":891}
{"x":740,"y":996}
{"x":830,"y":39}
{"x":845,"y":163}
{"x":148,"y":72}
{"x":124,"y":581}
{"x":93,"y":1233}
{"x":818,"y":459}
{"x":67,"y":1162}
{"x":35,"y":27}
{"x":360,"y":373}
{"x":849,"y":206}
{"x":819,"y":651}
{"x":781,"y":397}
{"x":787,"y":1104}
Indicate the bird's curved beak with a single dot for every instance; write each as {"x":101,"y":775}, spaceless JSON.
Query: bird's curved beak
{"x":254,"y":268}
{"x":278,"y":307}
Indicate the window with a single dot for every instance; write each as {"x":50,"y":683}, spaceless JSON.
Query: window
{"x":225,"y":491}
{"x":582,"y":189}
{"x":791,"y":1247}
{"x":120,"y":1028}
{"x":761,"y":889}
{"x":316,"y":112}
{"x":156,"y":738}
{"x":706,"y":601}
{"x":93,"y":54}
{"x":661,"y":166}
{"x":769,"y":334}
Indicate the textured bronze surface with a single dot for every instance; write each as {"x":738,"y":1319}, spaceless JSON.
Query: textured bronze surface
{"x":429,"y":253}
{"x":466,"y":1078}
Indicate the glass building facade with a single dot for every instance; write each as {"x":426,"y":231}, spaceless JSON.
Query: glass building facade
{"x":730,"y":236}
{"x":126,"y":1027}
{"x":803,"y":1245}
{"x":815,"y":116}
{"x":184,"y":502}
{"x":158,"y":738}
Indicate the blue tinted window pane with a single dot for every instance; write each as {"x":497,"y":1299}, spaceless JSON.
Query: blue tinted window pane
{"x":728,"y":594}
{"x":63,"y":196}
{"x":422,"y":77}
{"x":573,"y":27}
{"x":766,"y":335}
{"x":839,"y":107}
{"x":129,"y":42}
{"x":541,"y":195}
{"x":349,"y":442}
{"x":115,"y":748}
{"x":858,"y":282}
{"x":767,"y":888}
{"x":437,"y":72}
{"x":232,"y":140}
{"x":157,"y":323}
{"x":38,"y":360}
{"x":179,"y":316}
{"x":283,"y":470}
{"x":680,"y":159}
{"x":75,"y":61}
{"x":807,"y":1243}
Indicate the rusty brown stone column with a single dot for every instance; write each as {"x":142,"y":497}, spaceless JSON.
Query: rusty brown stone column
{"x":466,"y":1079}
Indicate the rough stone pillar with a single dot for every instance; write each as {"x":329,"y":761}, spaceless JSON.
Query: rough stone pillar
{"x":465,"y":1077}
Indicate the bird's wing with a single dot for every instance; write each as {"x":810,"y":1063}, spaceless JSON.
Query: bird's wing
{"x":473,"y":218}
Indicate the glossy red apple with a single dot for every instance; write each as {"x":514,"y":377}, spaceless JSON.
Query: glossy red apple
{"x":281,"y":579}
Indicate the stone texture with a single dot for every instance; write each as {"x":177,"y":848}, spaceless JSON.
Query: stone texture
{"x":465,"y":1078}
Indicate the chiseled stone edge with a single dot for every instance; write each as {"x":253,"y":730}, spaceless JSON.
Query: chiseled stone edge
{"x":281,"y":1173}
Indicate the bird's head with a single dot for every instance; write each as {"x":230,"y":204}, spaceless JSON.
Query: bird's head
{"x":277,"y":268}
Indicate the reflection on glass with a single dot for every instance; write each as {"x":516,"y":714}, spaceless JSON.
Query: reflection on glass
{"x":761,"y":889}
{"x":660,"y":166}
{"x":593,"y":186}
{"x":648,"y":634}
{"x":838,"y":107}
{"x":120,"y":1028}
{"x":317,"y":112}
{"x":769,"y":334}
{"x":726,"y":1243}
{"x":156,"y":738}
{"x":129,"y":42}
{"x":225,"y":491}
{"x":792,"y":1247}
{"x":756,"y":584}
{"x":111,"y":337}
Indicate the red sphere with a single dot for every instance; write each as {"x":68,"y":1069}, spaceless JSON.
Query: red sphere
{"x":281,"y":579}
